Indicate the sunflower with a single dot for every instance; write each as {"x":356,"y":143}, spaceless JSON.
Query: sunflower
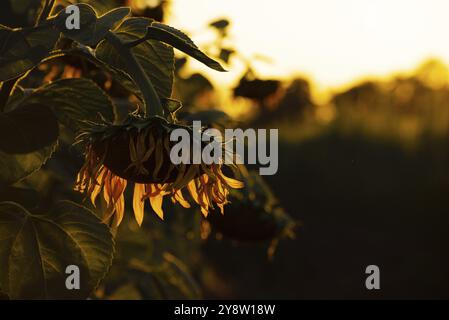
{"x":137,"y":153}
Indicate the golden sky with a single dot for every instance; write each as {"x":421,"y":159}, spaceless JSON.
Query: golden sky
{"x":332,"y":41}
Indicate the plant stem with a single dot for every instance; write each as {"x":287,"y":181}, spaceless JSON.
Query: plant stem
{"x":46,"y":11}
{"x":153,"y":106}
{"x":134,"y":43}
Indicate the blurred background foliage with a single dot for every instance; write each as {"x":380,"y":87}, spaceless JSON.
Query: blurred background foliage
{"x":363,"y":179}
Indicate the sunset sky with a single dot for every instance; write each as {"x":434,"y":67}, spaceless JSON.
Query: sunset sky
{"x":332,"y":41}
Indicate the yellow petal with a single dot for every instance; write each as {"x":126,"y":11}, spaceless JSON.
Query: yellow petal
{"x":204,"y":211}
{"x":97,"y":188}
{"x":236,"y":184}
{"x":221,"y":206}
{"x":107,"y":190}
{"x":180,"y":198}
{"x":139,"y":202}
{"x":119,"y":210}
{"x":118,"y":187}
{"x":193,"y":191}
{"x":156,"y":204}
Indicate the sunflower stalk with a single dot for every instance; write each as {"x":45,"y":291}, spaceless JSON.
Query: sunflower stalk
{"x":153,"y":106}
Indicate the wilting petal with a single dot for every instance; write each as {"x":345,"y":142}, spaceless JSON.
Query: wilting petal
{"x":156,"y":204}
{"x":107,"y":189}
{"x":221,"y":206}
{"x":139,"y":202}
{"x":236,"y":184}
{"x":204,"y":211}
{"x":97,"y":186}
{"x":180,"y":198}
{"x":118,"y":187}
{"x":193,"y":190}
{"x":119,"y":210}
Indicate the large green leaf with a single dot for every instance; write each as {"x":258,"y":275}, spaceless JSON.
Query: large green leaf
{"x":157,"y":59}
{"x":92,"y":28}
{"x":23,"y":49}
{"x":120,"y":76}
{"x":35,"y":251}
{"x":20,"y":13}
{"x":74,"y":100}
{"x":16,"y":167}
{"x":27,"y":128}
{"x":179,"y":40}
{"x":28,"y":137}
{"x":100,"y":6}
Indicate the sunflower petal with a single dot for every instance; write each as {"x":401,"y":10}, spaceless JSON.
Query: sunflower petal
{"x":180,"y":198}
{"x":107,"y":190}
{"x":193,"y":190}
{"x":119,"y":210}
{"x":97,"y":187}
{"x":236,"y":184}
{"x":204,"y":211}
{"x":156,"y":204}
{"x":139,"y":202}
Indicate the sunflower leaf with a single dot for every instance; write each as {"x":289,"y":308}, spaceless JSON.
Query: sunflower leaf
{"x":157,"y":59}
{"x":92,"y":28}
{"x":23,"y":49}
{"x":74,"y":101}
{"x":37,"y":249}
{"x":21,"y":13}
{"x":28,"y":137}
{"x":179,"y":40}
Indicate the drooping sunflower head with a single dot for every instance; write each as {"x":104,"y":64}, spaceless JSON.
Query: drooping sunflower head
{"x":138,"y":152}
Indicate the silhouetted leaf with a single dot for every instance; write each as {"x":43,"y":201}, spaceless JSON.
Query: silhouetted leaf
{"x":16,"y":167}
{"x":157,"y":59}
{"x":92,"y":28}
{"x":27,"y":197}
{"x":27,"y":128}
{"x":35,"y":251}
{"x":20,"y":13}
{"x":100,"y":6}
{"x":23,"y":49}
{"x":28,"y":137}
{"x":179,"y":40}
{"x":74,"y":100}
{"x":118,"y":75}
{"x":15,"y":98}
